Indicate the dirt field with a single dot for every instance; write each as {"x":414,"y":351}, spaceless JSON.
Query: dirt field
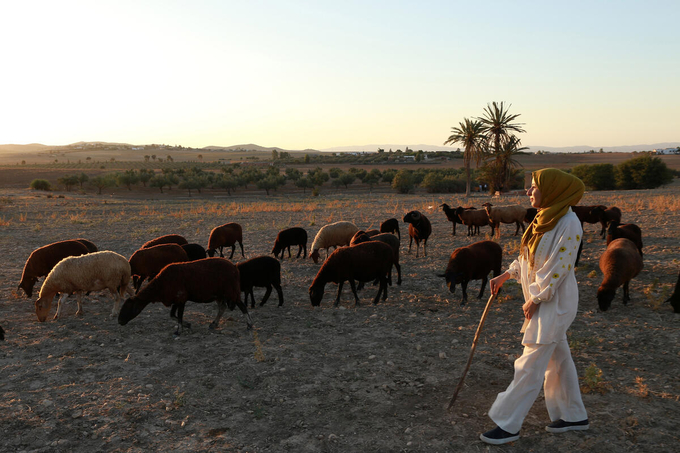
{"x":371,"y":378}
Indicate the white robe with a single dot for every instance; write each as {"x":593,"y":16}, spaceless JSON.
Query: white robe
{"x":546,"y":359}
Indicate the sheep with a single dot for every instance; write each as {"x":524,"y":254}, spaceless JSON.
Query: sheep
{"x":627,"y":230}
{"x":146,"y":263}
{"x":226,"y":235}
{"x":530,"y":215}
{"x":167,"y":239}
{"x":585,"y":213}
{"x":42,"y":261}
{"x":473,"y":219}
{"x":261,"y":271}
{"x":473,"y":262}
{"x":371,"y":233}
{"x":452,"y":216}
{"x":389,"y":239}
{"x":505,"y":214}
{"x":194,"y":251}
{"x":606,"y":216}
{"x":202,"y":281}
{"x":674,"y":300}
{"x":332,"y":235}
{"x":620,"y":263}
{"x":90,"y":245}
{"x":419,"y":229}
{"x":77,"y":274}
{"x":364,"y":262}
{"x":289,"y":237}
{"x":390,"y":226}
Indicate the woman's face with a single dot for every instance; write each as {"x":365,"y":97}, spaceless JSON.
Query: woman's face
{"x":534,"y":195}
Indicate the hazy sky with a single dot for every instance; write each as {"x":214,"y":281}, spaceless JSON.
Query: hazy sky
{"x":317,"y":74}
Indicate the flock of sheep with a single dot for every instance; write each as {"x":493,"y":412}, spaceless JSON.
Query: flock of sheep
{"x":179,"y":272}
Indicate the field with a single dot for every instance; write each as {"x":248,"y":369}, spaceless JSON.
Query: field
{"x":323,"y":379}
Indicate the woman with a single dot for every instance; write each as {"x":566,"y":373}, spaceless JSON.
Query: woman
{"x":545,"y":269}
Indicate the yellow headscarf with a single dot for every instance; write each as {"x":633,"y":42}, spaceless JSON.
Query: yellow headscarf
{"x":559,"y":190}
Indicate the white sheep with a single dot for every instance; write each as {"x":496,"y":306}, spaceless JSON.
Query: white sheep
{"x":78,"y":274}
{"x":333,"y":234}
{"x":505,"y":214}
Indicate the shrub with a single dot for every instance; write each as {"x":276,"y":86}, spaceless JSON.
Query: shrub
{"x":597,"y":176}
{"x":403,"y":181}
{"x":643,"y":172}
{"x":40,"y":184}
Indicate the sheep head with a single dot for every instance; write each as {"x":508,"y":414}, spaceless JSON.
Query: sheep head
{"x":315,"y":295}
{"x":27,"y":285}
{"x":315,"y":256}
{"x":605,"y":296}
{"x":130,"y":309}
{"x":412,"y":217}
{"x":42,"y":307}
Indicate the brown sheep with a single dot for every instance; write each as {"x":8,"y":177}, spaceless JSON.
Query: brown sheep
{"x":202,"y":281}
{"x":419,"y":229}
{"x":146,"y":263}
{"x":505,"y":214}
{"x":452,"y":217}
{"x":167,"y":239}
{"x":627,"y":230}
{"x":42,"y":261}
{"x":365,"y":262}
{"x":389,"y":239}
{"x":226,"y":235}
{"x":606,"y":216}
{"x":473,"y":262}
{"x":390,"y":226}
{"x":473,"y":219}
{"x":620,"y":263}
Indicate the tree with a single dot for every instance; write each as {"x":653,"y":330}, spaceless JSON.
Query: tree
{"x":304,"y":183}
{"x":307,"y":158}
{"x":293,"y":174}
{"x":146,"y":158}
{"x":200,"y":157}
{"x":597,"y":176}
{"x":469,"y":133}
{"x":103,"y":182}
{"x":498,"y":127}
{"x":268,"y":183}
{"x":346,"y":179}
{"x":145,"y":175}
{"x":68,"y":181}
{"x":226,"y":182}
{"x":335,"y":172}
{"x":388,"y":175}
{"x":159,"y":181}
{"x":153,"y":156}
{"x":127,"y":178}
{"x":40,"y":184}
{"x":82,"y":179}
{"x":643,"y":172}
{"x":275,"y":154}
{"x":403,"y":181}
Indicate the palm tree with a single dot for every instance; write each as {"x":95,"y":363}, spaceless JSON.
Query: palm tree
{"x":498,"y":127}
{"x":469,"y":134}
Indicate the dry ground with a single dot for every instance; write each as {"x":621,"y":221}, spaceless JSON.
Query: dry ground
{"x":370,"y":378}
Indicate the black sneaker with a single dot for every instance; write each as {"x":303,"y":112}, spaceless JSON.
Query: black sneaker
{"x":560,"y":426}
{"x":497,"y":436}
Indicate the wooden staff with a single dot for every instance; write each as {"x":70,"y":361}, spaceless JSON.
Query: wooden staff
{"x":472,"y":349}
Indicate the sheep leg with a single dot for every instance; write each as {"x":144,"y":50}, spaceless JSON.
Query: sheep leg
{"x":79,"y":301}
{"x":410,"y":241}
{"x":243,"y":255}
{"x":244,"y":309}
{"x":173,"y":311}
{"x":233,"y":249}
{"x":62,"y":297}
{"x":517,"y":230}
{"x":266,"y":294}
{"x":221,"y":306}
{"x":481,"y":291}
{"x":289,"y":255}
{"x":180,"y":323}
{"x":354,"y":291}
{"x":279,"y":291}
{"x":299,"y":251}
{"x":337,"y":298}
{"x":221,"y":255}
{"x":463,"y":287}
{"x":626,"y":294}
{"x":398,"y":267}
{"x":360,"y":286}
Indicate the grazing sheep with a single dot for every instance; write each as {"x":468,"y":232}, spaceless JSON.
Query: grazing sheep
{"x":202,"y":281}
{"x":627,"y":230}
{"x":473,"y":219}
{"x":364,"y":262}
{"x":531,"y":214}
{"x":167,"y":239}
{"x":390,"y":226}
{"x":332,"y":235}
{"x":146,"y":263}
{"x":505,"y":214}
{"x":90,"y":245}
{"x":473,"y":262}
{"x":585,"y":213}
{"x":77,"y":274}
{"x":674,"y":300}
{"x":605,"y":216}
{"x":371,"y":233}
{"x":42,"y":261}
{"x":452,"y":216}
{"x":194,"y":251}
{"x":620,"y":263}
{"x":389,"y":239}
{"x":289,"y":237}
{"x":419,"y":229}
{"x":263,"y":272}
{"x":226,"y":235}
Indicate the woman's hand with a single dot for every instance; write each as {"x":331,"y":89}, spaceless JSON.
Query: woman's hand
{"x":496,"y":282}
{"x":529,"y":309}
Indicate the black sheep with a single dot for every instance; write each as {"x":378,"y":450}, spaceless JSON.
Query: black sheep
{"x":419,"y":229}
{"x":263,"y":272}
{"x":389,"y":239}
{"x":674,"y":300}
{"x":167,"y":239}
{"x":2,"y":334}
{"x":473,"y":262}
{"x":194,"y":251}
{"x":390,"y":226}
{"x":289,"y":237}
{"x":202,"y":281}
{"x":605,"y":216}
{"x":452,"y":216}
{"x":365,"y":262}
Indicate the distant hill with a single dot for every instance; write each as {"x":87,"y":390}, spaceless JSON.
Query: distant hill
{"x":532,"y":148}
{"x":253,"y":147}
{"x":30,"y":148}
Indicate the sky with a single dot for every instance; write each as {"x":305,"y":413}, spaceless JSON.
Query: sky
{"x":318,"y":74}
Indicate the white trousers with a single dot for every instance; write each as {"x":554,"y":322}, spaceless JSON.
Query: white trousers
{"x":547,"y":364}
